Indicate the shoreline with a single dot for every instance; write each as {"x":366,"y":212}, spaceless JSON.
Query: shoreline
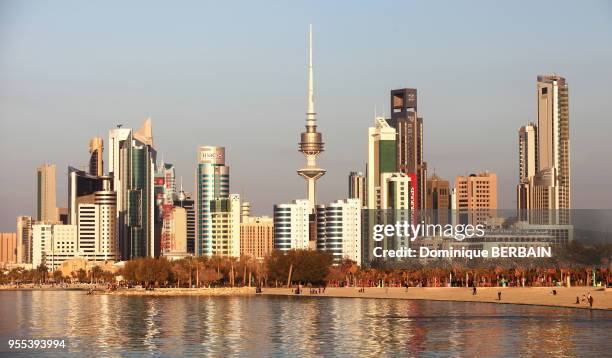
{"x":532,"y":296}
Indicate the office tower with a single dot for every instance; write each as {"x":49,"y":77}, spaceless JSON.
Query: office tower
{"x":528,"y":164}
{"x":52,"y":244}
{"x":381,"y":158}
{"x":24,"y":239}
{"x":185,"y":201}
{"x":528,"y":155}
{"x":546,"y":194}
{"x":292,"y":225}
{"x":341,"y":223}
{"x":46,"y":206}
{"x":437,"y":200}
{"x":131,"y":163}
{"x":553,"y":136}
{"x":93,"y":209}
{"x":225,"y":226}
{"x":357,"y":187}
{"x":476,"y":197}
{"x":8,"y":247}
{"x":256,"y":237}
{"x":409,"y":127}
{"x":311,"y":141}
{"x":212,"y":182}
{"x":96,"y":152}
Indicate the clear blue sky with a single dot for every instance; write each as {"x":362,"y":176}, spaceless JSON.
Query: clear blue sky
{"x":234,"y":74}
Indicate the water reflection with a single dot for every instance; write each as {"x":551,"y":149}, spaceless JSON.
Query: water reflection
{"x":299,"y":326}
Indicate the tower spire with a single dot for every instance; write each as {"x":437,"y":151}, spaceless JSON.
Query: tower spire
{"x":311,"y":141}
{"x":310,"y":114}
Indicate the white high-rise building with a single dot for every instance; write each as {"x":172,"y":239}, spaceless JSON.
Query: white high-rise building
{"x":52,"y":244}
{"x":291,"y":225}
{"x":339,"y":229}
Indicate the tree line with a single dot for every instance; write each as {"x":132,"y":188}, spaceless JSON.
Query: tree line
{"x":574,"y":262}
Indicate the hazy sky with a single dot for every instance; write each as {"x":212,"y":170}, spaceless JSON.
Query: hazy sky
{"x":234,"y":74}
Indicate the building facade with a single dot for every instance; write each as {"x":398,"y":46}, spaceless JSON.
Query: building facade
{"x":46,"y":209}
{"x":96,"y":154}
{"x":256,"y":237}
{"x":24,"y":239}
{"x":339,"y":224}
{"x":357,"y":187}
{"x":292,"y":225}
{"x":53,"y":244}
{"x":8,"y":247}
{"x":438,"y":200}
{"x":476,"y":197}
{"x":225,"y":226}
{"x":185,"y":201}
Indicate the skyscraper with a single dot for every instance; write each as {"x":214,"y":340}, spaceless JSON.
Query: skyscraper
{"x":311,"y":141}
{"x":46,"y":209}
{"x":24,"y":239}
{"x":528,"y":152}
{"x":381,"y":158}
{"x":409,"y":127}
{"x":357,"y":187}
{"x":131,"y":163}
{"x":547,"y":192}
{"x":212,"y":182}
{"x":554,"y":141}
{"x":528,"y":164}
{"x":96,"y":151}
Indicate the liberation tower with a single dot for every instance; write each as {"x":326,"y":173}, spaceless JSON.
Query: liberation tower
{"x":311,"y":143}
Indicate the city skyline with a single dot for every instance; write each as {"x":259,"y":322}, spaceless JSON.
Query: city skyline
{"x":199,"y":125}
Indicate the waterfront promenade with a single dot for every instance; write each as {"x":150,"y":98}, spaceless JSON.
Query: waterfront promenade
{"x":565,"y":297}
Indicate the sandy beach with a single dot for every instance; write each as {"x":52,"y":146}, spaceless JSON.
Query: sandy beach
{"x":565,"y":297}
{"x":214,"y":291}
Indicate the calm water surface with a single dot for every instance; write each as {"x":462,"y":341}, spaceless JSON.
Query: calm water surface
{"x":103,"y":325}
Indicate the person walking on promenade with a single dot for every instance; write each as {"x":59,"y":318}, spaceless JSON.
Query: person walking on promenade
{"x":474,"y":291}
{"x":499,"y":295}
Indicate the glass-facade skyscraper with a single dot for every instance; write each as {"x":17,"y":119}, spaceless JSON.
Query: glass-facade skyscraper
{"x":212,"y":182}
{"x":132,"y":165}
